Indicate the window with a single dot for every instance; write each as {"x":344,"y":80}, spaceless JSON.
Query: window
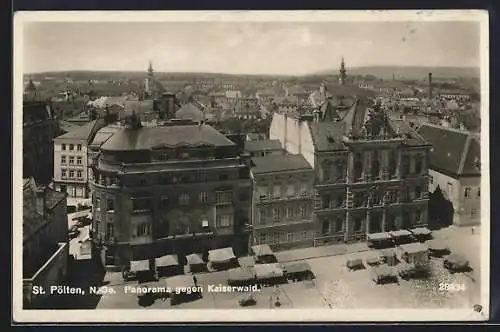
{"x":79,"y":174}
{"x":326,"y":173}
{"x":392,"y":163}
{"x":358,"y":170}
{"x":377,"y":198}
{"x":223,"y":177}
{"x":110,"y":204}
{"x":289,"y":212}
{"x":325,"y":201}
{"x":109,"y":231}
{"x":339,"y":201}
{"x":359,"y":199}
{"x":479,"y":192}
{"x":290,"y":190}
{"x":473,"y":212}
{"x":63,"y":160}
{"x":431,"y":179}
{"x":338,"y":225}
{"x":467,"y":192}
{"x":262,"y":216}
{"x":63,"y":146}
{"x":97,"y":205}
{"x":289,"y":236}
{"x":276,"y":237}
{"x":224,"y":197}
{"x":163,"y":202}
{"x":71,"y":174}
{"x":276,"y":214}
{"x":141,"y":204}
{"x":162,"y":156}
{"x":418,"y":192}
{"x":223,"y":221}
{"x":71,"y":160}
{"x":303,"y":188}
{"x":375,"y":165}
{"x":406,"y":165}
{"x":203,"y":197}
{"x":79,"y":147}
{"x":417,"y":216}
{"x":78,"y":160}
{"x":184,"y":199}
{"x":325,"y":227}
{"x":303,"y":235}
{"x":63,"y":173}
{"x":142,"y":229}
{"x":339,"y":170}
{"x":262,"y":238}
{"x":71,"y":147}
{"x":303,"y":211}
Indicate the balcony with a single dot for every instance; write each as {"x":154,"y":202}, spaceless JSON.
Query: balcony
{"x":281,"y":223}
{"x":282,"y":198}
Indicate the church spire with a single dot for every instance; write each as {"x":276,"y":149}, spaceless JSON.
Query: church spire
{"x":343,"y":75}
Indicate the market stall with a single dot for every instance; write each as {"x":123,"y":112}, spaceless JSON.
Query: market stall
{"x":380,"y":240}
{"x":264,"y":254}
{"x":373,"y":258}
{"x":421,"y":233}
{"x":269,"y":274}
{"x":247,"y":261}
{"x":298,"y":271}
{"x":355,"y":264}
{"x":183,"y":288}
{"x":389,"y":256}
{"x":168,"y":265}
{"x":415,"y":253}
{"x":402,"y":237}
{"x":241,"y":277}
{"x":139,"y":270}
{"x":456,"y":263}
{"x":222,"y":259}
{"x":384,"y":274}
{"x":438,"y":248}
{"x":196,"y":263}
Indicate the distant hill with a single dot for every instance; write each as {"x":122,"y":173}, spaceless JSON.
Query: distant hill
{"x":408,"y":72}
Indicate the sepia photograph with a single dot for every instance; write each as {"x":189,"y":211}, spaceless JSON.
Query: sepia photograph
{"x":251,"y":166}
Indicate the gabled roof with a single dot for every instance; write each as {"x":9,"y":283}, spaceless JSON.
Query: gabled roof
{"x":348,"y":91}
{"x":279,"y":163}
{"x":81,"y":133}
{"x":453,"y":151}
{"x":262,"y":145}
{"x":327,"y":135}
{"x":146,"y":138}
{"x":190,"y":112}
{"x":68,"y":126}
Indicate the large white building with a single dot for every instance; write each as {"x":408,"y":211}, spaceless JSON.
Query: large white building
{"x":70,"y":159}
{"x":454,"y":168}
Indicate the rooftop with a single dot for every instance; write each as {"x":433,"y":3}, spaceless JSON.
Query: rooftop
{"x":190,"y":112}
{"x":453,"y":151}
{"x":261,"y":145}
{"x":165,"y":136}
{"x":279,"y":163}
{"x":81,"y":132}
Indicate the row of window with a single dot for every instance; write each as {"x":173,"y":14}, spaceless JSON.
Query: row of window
{"x":277,"y":214}
{"x":71,"y":159}
{"x":162,"y":179}
{"x":71,"y":147}
{"x":64,"y":173}
{"x":145,"y":204}
{"x":283,"y":237}
{"x":279,"y":191}
{"x":468,"y":192}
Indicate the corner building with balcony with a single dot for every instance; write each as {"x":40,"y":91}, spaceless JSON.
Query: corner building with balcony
{"x":370,"y":171}
{"x":180,"y":188}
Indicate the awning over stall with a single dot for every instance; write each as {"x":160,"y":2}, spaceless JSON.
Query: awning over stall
{"x":166,"y":261}
{"x":180,"y":282}
{"x":400,"y":233}
{"x":240,"y":274}
{"x":296,"y":267}
{"x":222,"y":255}
{"x":247,"y":261}
{"x":437,"y":245}
{"x":268,"y":271}
{"x":378,"y":236}
{"x":139,"y":266}
{"x":413,"y":248}
{"x":194,"y":259}
{"x":421,"y":231}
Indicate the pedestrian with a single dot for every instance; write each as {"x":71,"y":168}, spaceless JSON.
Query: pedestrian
{"x":472,"y":229}
{"x":195,"y":281}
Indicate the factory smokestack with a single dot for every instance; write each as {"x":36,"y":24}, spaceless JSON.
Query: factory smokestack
{"x":430,"y":85}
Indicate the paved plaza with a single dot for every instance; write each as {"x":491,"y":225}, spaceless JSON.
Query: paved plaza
{"x":334,"y":286}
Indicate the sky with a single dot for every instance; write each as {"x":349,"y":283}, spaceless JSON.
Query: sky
{"x":288,"y":48}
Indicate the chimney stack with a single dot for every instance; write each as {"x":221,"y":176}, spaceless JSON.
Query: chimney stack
{"x":430,"y":85}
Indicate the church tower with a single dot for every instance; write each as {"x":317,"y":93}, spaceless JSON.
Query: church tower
{"x":343,"y":75}
{"x":149,"y":84}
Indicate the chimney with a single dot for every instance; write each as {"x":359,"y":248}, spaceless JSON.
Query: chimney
{"x":430,"y":85}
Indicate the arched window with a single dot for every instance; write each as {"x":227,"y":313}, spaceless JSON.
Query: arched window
{"x":392,"y":164}
{"x":340,"y":170}
{"x":358,"y":167}
{"x":375,"y":166}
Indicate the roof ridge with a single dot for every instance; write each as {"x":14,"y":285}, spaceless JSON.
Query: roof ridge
{"x":463,"y":157}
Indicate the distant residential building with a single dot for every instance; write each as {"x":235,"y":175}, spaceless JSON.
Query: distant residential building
{"x":247,"y":108}
{"x":455,"y":167}
{"x":179,"y":189}
{"x":45,"y":241}
{"x":256,"y":137}
{"x":40,"y":126}
{"x":283,"y":201}
{"x":370,"y":171}
{"x":262,"y":148}
{"x":70,"y":159}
